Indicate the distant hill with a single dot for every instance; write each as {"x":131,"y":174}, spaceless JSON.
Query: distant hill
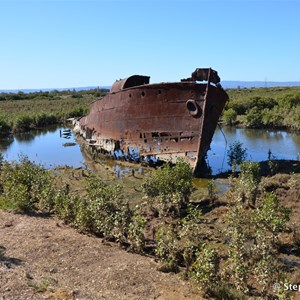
{"x":256,"y":84}
{"x":227,"y":84}
{"x":55,"y":89}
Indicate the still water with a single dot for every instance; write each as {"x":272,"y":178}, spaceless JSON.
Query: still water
{"x":258,"y":142}
{"x":46,"y":147}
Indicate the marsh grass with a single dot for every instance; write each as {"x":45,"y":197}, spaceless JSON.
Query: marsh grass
{"x":22,"y":112}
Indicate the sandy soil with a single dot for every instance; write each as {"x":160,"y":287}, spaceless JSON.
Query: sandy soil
{"x":45,"y":259}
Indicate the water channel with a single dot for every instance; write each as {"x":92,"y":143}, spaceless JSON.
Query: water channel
{"x":48,"y":147}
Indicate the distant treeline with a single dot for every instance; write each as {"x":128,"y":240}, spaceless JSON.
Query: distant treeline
{"x":25,"y":111}
{"x":277,"y":108}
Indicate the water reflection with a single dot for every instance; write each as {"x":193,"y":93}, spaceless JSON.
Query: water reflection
{"x":43,"y":147}
{"x":26,"y":137}
{"x":5,"y":142}
{"x":266,"y":135}
{"x":281,"y":144}
{"x":121,"y":171}
{"x":46,"y":147}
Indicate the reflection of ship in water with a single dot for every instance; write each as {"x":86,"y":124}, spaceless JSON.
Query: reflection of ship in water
{"x":161,"y":122}
{"x":65,"y":133}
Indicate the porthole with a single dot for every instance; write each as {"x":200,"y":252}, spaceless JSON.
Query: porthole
{"x":143,"y":94}
{"x":193,"y":108}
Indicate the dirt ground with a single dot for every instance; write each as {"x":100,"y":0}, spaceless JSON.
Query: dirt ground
{"x":45,"y":259}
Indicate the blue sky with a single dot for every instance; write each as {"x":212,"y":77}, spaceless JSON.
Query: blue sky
{"x":57,"y":44}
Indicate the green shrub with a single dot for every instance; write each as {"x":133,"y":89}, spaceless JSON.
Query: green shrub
{"x":205,"y":267}
{"x":271,"y":215}
{"x":166,"y":239}
{"x":247,"y":184}
{"x":253,"y":235}
{"x":266,"y":107}
{"x":170,"y":187}
{"x":230,"y":116}
{"x":212,"y":190}
{"x":136,"y":229}
{"x":290,"y":101}
{"x":25,"y":185}
{"x":238,"y":259}
{"x":190,"y":236}
{"x":104,"y":203}
{"x":254,"y":118}
{"x":64,"y":206}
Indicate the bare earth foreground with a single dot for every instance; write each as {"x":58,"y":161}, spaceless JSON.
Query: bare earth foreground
{"x":45,"y":259}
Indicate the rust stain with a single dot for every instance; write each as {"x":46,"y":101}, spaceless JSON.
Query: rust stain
{"x":159,"y":122}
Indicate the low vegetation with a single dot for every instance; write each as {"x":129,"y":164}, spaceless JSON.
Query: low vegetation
{"x":264,"y":108}
{"x":22,"y":112}
{"x":231,"y":246}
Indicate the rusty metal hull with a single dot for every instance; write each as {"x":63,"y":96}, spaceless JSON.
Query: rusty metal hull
{"x":155,"y":122}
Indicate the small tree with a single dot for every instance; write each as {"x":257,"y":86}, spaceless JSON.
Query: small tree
{"x":247,"y":185}
{"x":212,"y":190}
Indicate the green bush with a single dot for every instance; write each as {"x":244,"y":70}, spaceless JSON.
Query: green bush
{"x":254,"y":118}
{"x":230,"y":116}
{"x":170,"y":187}
{"x":25,"y":186}
{"x":247,"y":185}
{"x":136,"y":228}
{"x":266,"y":107}
{"x":253,"y":234}
{"x":290,"y":101}
{"x":271,"y":215}
{"x":205,"y":268}
{"x":104,"y":203}
{"x":167,"y":249}
{"x":63,"y":206}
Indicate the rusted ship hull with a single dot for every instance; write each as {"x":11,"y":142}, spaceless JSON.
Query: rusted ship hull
{"x":155,"y":122}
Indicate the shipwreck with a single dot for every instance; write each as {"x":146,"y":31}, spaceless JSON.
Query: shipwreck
{"x":160,"y":122}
